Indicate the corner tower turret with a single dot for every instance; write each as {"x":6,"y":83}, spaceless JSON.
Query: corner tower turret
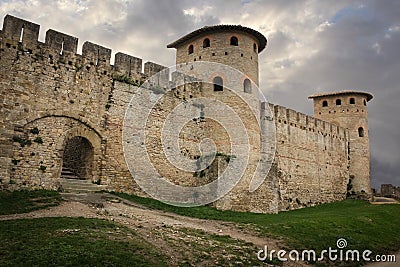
{"x":349,"y":109}
{"x":232,"y":45}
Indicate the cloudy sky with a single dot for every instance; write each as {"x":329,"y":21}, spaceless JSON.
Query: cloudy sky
{"x":313,"y":46}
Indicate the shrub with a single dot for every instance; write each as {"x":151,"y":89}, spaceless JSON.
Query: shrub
{"x":22,"y":141}
{"x":34,"y":130}
{"x":38,"y":140}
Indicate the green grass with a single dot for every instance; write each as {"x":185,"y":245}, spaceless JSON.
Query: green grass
{"x":73,"y":242}
{"x":26,"y":201}
{"x":364,"y":226}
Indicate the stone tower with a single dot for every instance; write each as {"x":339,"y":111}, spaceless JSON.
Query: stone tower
{"x":232,"y":45}
{"x":348,"y":109}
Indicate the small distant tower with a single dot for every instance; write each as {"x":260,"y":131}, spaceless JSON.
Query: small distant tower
{"x":348,"y":109}
{"x":232,"y":45}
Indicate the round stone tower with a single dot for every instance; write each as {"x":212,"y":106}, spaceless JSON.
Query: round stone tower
{"x":225,"y":59}
{"x":232,"y":45}
{"x":348,"y":109}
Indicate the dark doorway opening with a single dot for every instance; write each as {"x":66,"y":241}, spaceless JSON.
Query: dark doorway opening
{"x":78,"y":158}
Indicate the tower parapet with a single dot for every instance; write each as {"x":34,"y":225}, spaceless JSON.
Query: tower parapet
{"x":348,"y":109}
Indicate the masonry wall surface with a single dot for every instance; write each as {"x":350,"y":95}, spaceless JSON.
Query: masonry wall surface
{"x":312,"y":159}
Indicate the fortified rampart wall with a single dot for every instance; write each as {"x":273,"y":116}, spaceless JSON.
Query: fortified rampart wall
{"x":51,"y":94}
{"x":312,"y":159}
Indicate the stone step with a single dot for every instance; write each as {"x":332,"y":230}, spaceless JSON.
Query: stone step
{"x":69,"y":176}
{"x":79,"y":186}
{"x":77,"y":181}
{"x":68,"y":185}
{"x":67,"y":173}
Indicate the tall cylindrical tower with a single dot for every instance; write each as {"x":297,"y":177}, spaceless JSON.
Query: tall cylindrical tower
{"x":225,"y":57}
{"x":232,"y":45}
{"x":348,"y":109}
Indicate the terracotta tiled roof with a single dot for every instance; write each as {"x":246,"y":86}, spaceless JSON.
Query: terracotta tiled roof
{"x":368,"y":95}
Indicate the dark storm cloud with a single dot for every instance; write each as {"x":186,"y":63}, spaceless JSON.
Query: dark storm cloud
{"x":313,"y":46}
{"x":358,"y":50}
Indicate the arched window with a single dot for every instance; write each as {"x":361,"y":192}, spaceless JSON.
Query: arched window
{"x":365,"y":102}
{"x":206,"y":43}
{"x":352,"y":101}
{"x":247,"y":86}
{"x":361,"y":132}
{"x":255,"y":47}
{"x":218,"y":84}
{"x":190,"y":50}
{"x":234,"y":41}
{"x":325,"y":103}
{"x":338,"y":102}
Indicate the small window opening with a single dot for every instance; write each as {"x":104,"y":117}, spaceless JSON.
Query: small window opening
{"x":255,"y":47}
{"x":325,"y":103}
{"x":218,"y":84}
{"x":190,"y":50}
{"x":247,"y":86}
{"x":365,"y":102}
{"x":130,"y":68}
{"x":361,"y":132}
{"x":338,"y":102}
{"x":206,"y":43}
{"x":352,"y":101}
{"x":234,"y":41}
{"x":22,"y":34}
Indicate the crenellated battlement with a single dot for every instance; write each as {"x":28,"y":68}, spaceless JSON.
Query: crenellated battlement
{"x":23,"y":35}
{"x":292,"y":118}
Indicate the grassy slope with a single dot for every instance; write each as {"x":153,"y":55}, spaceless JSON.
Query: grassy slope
{"x":73,"y":242}
{"x":363,"y":225}
{"x":26,"y":201}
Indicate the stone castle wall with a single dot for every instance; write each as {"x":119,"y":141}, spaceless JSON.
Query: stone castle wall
{"x":63,"y":94}
{"x":51,"y":95}
{"x":312,"y":159}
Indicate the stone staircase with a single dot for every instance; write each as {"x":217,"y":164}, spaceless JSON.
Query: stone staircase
{"x":67,"y":173}
{"x":71,"y":183}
